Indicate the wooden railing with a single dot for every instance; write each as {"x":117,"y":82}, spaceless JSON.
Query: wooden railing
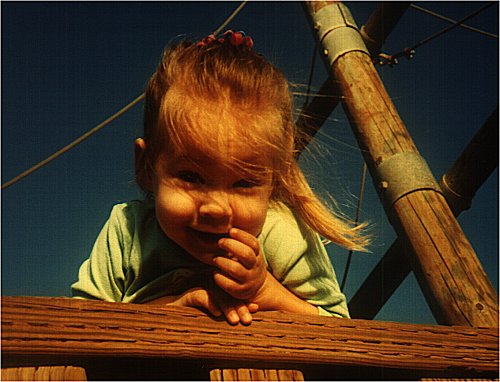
{"x":124,"y":341}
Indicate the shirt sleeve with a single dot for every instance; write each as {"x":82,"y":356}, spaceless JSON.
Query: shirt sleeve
{"x":298,"y":259}
{"x":102,"y":276}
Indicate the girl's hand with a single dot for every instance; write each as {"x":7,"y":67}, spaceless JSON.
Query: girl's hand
{"x":215,"y":301}
{"x":243,"y":275}
{"x":243,"y":272}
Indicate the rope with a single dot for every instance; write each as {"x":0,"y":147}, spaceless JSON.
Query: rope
{"x":453,"y":21}
{"x":358,"y":212}
{"x":102,"y":124}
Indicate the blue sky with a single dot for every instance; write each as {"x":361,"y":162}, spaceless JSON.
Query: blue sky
{"x":66,"y":66}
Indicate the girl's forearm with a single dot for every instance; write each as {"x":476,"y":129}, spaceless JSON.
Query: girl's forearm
{"x":274,"y":296}
{"x":165,"y":300}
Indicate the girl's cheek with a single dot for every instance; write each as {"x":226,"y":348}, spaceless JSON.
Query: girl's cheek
{"x":250,"y":215}
{"x":175,"y":206}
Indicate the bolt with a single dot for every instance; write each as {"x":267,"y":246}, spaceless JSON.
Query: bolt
{"x":317,"y":26}
{"x":479,"y":306}
{"x":325,"y":52}
{"x":384,"y":185}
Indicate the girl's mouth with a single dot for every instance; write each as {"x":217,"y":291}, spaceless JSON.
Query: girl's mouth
{"x":209,"y":237}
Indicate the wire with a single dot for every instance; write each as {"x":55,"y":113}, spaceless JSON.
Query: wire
{"x":231,"y":17}
{"x":102,"y":124}
{"x":358,"y":213}
{"x":72,"y":144}
{"x":453,"y":21}
{"x":409,"y":52}
{"x":454,"y":25}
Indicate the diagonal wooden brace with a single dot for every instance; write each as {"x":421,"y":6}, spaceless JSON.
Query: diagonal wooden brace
{"x":451,"y":277}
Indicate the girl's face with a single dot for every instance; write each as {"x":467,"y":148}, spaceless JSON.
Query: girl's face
{"x":198,"y":200}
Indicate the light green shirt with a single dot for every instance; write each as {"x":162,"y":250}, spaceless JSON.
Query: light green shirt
{"x":134,"y":261}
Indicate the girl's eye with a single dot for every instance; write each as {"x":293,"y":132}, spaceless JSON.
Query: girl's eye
{"x":246,"y":183}
{"x":190,"y":177}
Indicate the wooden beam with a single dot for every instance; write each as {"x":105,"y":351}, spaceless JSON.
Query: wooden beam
{"x":473,"y":167}
{"x":451,"y":277}
{"x":315,"y":114}
{"x":476,"y":163}
{"x":377,"y":28}
{"x":381,"y":283}
{"x":47,"y":330}
{"x":381,"y":23}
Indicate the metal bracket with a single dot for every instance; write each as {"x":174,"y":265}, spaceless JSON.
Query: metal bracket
{"x":404,"y":173}
{"x":337,"y":31}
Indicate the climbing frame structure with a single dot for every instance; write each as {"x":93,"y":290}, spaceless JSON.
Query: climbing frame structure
{"x":62,"y":338}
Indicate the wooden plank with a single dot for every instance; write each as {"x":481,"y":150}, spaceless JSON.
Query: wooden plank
{"x":255,"y":375}
{"x":290,"y":375}
{"x":44,"y":373}
{"x":55,"y":328}
{"x":444,"y":257}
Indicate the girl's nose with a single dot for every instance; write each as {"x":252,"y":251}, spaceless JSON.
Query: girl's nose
{"x":216,"y":206}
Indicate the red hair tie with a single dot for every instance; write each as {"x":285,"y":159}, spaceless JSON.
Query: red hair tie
{"x":235,"y":38}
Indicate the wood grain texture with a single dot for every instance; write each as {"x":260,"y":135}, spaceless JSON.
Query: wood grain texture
{"x":255,"y":375}
{"x":449,"y":273}
{"x":75,"y":329}
{"x":44,"y":373}
{"x":465,"y":177}
{"x":443,"y":258}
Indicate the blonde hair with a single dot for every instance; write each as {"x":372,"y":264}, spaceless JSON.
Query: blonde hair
{"x":197,"y":90}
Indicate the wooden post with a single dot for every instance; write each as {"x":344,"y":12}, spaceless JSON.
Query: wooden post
{"x":449,"y":273}
{"x":378,"y":26}
{"x":465,"y":177}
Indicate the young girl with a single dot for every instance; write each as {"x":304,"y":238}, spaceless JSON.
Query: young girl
{"x":230,"y":224}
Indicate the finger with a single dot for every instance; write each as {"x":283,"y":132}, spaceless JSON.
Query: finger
{"x":229,"y":311}
{"x":232,"y":287}
{"x":253,"y":307}
{"x":239,"y":251}
{"x":213,"y":309}
{"x":243,"y":313}
{"x":245,"y":238}
{"x":231,"y":268}
{"x":201,"y":299}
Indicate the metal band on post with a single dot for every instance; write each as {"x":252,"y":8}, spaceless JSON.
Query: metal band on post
{"x":338,"y":31}
{"x":402,"y":174}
